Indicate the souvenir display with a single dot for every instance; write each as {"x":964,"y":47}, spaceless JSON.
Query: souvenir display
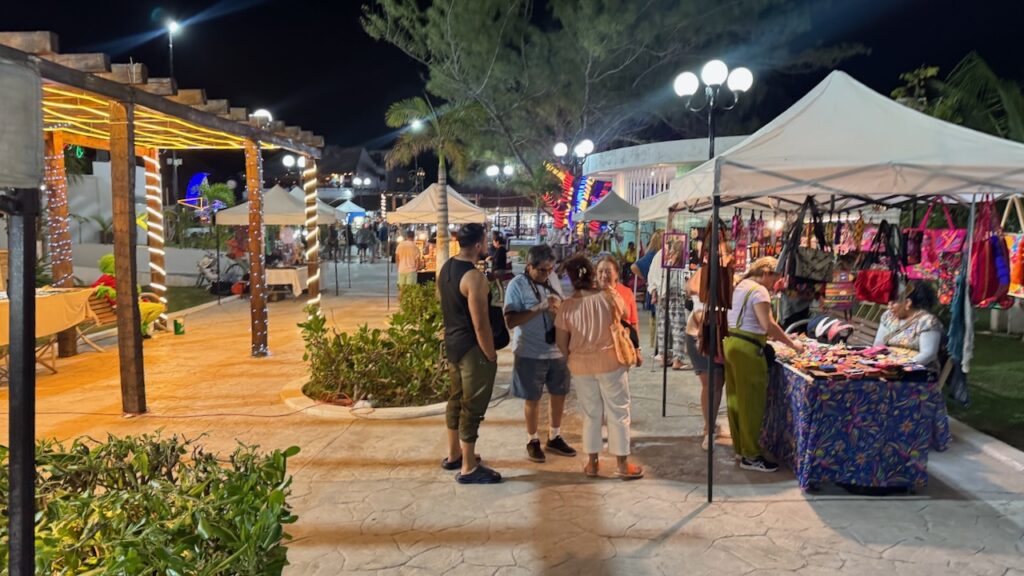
{"x":837,"y":362}
{"x":877,"y":278}
{"x":990,"y":260}
{"x":805,"y":263}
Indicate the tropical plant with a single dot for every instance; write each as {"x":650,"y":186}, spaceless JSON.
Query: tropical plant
{"x":106,"y":226}
{"x":401,"y":365}
{"x":971,"y":95}
{"x":442,"y":131}
{"x":153,"y":505}
{"x":218,"y":191}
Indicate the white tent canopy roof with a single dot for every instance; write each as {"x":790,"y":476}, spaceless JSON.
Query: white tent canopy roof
{"x":423,"y":209}
{"x":325,"y":212}
{"x":279,"y":209}
{"x":349,"y":207}
{"x":611,"y":208}
{"x":846,"y":140}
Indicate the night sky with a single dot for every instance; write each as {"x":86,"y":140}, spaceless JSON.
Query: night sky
{"x":311,"y":64}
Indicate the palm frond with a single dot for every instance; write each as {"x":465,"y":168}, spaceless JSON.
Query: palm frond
{"x":402,"y":113}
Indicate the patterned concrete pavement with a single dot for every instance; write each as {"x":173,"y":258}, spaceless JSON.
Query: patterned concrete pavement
{"x":372,"y":499}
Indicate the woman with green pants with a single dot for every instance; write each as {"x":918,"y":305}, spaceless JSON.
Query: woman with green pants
{"x":746,"y":371}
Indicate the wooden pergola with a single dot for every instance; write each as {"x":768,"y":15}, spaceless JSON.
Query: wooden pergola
{"x":89,"y":102}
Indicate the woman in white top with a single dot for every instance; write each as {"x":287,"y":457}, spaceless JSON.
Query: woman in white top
{"x":746,"y":370}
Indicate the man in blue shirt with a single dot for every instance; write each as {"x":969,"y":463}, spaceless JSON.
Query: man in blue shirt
{"x":531,"y":302}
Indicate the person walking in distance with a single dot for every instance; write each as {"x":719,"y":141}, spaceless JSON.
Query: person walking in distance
{"x":531,"y":301}
{"x":407,"y":258}
{"x":469,"y":346}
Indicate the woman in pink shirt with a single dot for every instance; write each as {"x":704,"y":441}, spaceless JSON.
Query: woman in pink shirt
{"x":583,"y":334}
{"x":608,"y":277}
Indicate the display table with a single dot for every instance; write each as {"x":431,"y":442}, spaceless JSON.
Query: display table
{"x":294,"y":276}
{"x":868,"y":432}
{"x":56,"y":311}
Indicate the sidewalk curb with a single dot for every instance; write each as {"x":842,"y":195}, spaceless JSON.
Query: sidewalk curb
{"x":172,"y":316}
{"x":992,"y":447}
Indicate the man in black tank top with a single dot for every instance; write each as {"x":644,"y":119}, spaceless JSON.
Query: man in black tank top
{"x":469,"y":345}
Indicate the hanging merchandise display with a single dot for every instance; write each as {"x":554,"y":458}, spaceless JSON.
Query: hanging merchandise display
{"x":1015,"y":246}
{"x":935,"y":253}
{"x":990,"y":260}
{"x":878,"y":273}
{"x":741,"y":242}
{"x":806,"y":263}
{"x":846,"y":244}
{"x":840,"y":293}
{"x":720,"y":316}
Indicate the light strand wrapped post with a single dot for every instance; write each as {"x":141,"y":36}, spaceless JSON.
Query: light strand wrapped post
{"x":257,"y":273}
{"x":309,"y":180}
{"x":58,"y":221}
{"x":155,"y":228}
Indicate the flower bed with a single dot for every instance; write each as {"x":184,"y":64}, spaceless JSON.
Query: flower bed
{"x":401,"y":365}
{"x":152,"y":505}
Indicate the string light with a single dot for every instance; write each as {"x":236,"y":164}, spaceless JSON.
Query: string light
{"x":309,"y":181}
{"x":59,"y":221}
{"x":257,"y":258}
{"x":155,"y":229}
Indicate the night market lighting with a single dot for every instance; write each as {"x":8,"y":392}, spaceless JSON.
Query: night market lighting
{"x":561,"y":149}
{"x":173,"y":26}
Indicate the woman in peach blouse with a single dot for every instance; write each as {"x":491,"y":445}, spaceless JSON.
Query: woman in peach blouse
{"x":582,"y":333}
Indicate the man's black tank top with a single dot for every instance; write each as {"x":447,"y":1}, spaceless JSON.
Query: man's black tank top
{"x":459,"y":335}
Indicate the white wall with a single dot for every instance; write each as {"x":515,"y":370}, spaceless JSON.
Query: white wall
{"x":90,"y":196}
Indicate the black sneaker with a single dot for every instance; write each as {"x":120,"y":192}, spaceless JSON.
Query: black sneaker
{"x":758,"y":464}
{"x":533,"y":451}
{"x":558,"y":446}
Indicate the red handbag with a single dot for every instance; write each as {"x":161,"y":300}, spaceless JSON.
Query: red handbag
{"x":878,"y":278}
{"x":990,"y":260}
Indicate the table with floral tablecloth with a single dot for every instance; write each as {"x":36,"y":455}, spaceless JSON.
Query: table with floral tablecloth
{"x":869,"y":433}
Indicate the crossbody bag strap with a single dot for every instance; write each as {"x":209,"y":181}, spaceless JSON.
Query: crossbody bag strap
{"x":743,"y":308}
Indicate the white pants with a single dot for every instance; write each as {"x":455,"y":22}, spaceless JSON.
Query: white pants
{"x":606,"y":394}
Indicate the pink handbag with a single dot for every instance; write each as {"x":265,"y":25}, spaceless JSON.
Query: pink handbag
{"x":936,"y":245}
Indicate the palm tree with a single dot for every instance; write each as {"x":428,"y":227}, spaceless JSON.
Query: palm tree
{"x":441,"y":131}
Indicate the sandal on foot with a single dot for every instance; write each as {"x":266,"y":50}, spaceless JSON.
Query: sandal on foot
{"x":632,"y":472}
{"x":480,"y":475}
{"x":454,"y":465}
{"x":591,"y":472}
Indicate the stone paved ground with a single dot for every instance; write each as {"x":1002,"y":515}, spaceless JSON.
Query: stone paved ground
{"x":372,"y":500}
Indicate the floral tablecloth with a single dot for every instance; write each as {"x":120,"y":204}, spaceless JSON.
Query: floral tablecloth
{"x":864,"y":433}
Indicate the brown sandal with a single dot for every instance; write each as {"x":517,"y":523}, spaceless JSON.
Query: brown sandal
{"x":591,"y":472}
{"x":633,"y":472}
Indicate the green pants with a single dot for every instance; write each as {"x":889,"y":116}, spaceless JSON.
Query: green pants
{"x":472,"y":385}
{"x":746,"y":385}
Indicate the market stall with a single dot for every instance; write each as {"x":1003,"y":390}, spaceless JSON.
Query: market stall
{"x":423,"y":210}
{"x":846,"y":148}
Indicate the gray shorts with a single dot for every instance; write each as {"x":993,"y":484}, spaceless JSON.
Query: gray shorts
{"x":699,"y":361}
{"x":531,"y":375}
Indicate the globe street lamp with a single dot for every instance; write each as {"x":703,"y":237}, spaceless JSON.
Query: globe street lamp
{"x":717,"y":98}
{"x":172,"y":28}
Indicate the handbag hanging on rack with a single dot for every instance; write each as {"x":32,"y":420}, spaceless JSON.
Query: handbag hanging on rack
{"x":803,"y":263}
{"x":990,"y":260}
{"x":720,"y":316}
{"x":926,"y":248}
{"x":878,"y":275}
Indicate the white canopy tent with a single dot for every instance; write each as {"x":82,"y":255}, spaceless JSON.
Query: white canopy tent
{"x":845,"y":140}
{"x":325,"y":212}
{"x":348,"y":208}
{"x":279,"y":209}
{"x":611,"y":208}
{"x":423,"y":209}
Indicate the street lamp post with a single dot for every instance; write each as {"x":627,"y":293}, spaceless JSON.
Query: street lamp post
{"x":172,"y":29}
{"x":712,"y":76}
{"x":501,"y":176}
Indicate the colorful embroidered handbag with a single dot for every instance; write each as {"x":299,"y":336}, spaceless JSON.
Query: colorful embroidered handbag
{"x":877,"y":279}
{"x":990,"y":260}
{"x":803,"y":263}
{"x":840,"y":293}
{"x":925,"y":260}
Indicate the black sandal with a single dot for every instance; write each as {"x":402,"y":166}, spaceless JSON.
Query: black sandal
{"x":480,"y":475}
{"x":454,"y":465}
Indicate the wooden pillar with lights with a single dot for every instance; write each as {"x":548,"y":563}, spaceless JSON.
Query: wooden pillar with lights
{"x":61,"y":260}
{"x":129,"y":322}
{"x":257,"y":274}
{"x":155,"y":228}
{"x":309,"y":181}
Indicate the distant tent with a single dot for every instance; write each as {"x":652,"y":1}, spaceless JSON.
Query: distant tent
{"x":423,"y":209}
{"x":279,"y":209}
{"x":612,"y":208}
{"x":349,"y":210}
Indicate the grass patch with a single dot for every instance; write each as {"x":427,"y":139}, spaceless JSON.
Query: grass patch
{"x":996,"y":384}
{"x":182,"y":297}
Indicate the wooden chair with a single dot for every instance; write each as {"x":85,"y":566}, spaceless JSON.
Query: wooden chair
{"x":101,"y":313}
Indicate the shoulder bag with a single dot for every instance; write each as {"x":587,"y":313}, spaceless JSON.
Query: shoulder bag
{"x":804,"y":263}
{"x":877,"y":278}
{"x":625,"y":351}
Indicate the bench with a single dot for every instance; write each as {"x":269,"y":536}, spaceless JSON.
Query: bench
{"x":101,"y":313}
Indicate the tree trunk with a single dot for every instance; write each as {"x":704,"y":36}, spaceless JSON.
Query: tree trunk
{"x":442,"y":214}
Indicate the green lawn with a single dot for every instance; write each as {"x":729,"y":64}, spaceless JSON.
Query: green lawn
{"x":182,"y":297}
{"x":996,"y":383}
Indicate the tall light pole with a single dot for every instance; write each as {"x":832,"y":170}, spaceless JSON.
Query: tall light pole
{"x":172,"y":29}
{"x":713,"y":75}
{"x":501,"y":176}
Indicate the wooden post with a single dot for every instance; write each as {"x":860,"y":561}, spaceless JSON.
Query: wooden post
{"x":309,"y":180}
{"x":61,"y":260}
{"x":257,"y":275}
{"x":129,"y":323}
{"x":155,"y":228}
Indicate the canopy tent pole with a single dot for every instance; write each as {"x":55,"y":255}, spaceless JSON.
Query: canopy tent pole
{"x":216,"y":239}
{"x":667,"y":271}
{"x":712,"y":308}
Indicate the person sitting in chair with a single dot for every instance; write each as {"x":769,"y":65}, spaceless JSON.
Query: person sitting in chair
{"x":150,"y":308}
{"x":910,"y":324}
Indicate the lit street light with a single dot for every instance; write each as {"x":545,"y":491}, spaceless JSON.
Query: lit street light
{"x":561,"y":149}
{"x":172,"y":28}
{"x":416,"y":125}
{"x":716,"y":98}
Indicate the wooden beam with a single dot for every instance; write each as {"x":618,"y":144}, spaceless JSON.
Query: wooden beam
{"x":135,"y":73}
{"x":309,"y":181}
{"x":218,"y":106}
{"x":317,"y":141}
{"x":61,"y":260}
{"x":41,"y":42}
{"x":92,"y":63}
{"x":189,"y":96}
{"x":292,"y":131}
{"x":257,"y":274}
{"x":238,"y":114}
{"x":96,"y":143}
{"x":129,"y":328}
{"x":125,"y":93}
{"x":160,"y":86}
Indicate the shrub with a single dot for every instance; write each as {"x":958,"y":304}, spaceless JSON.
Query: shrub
{"x":401,"y":365}
{"x":153,"y":505}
